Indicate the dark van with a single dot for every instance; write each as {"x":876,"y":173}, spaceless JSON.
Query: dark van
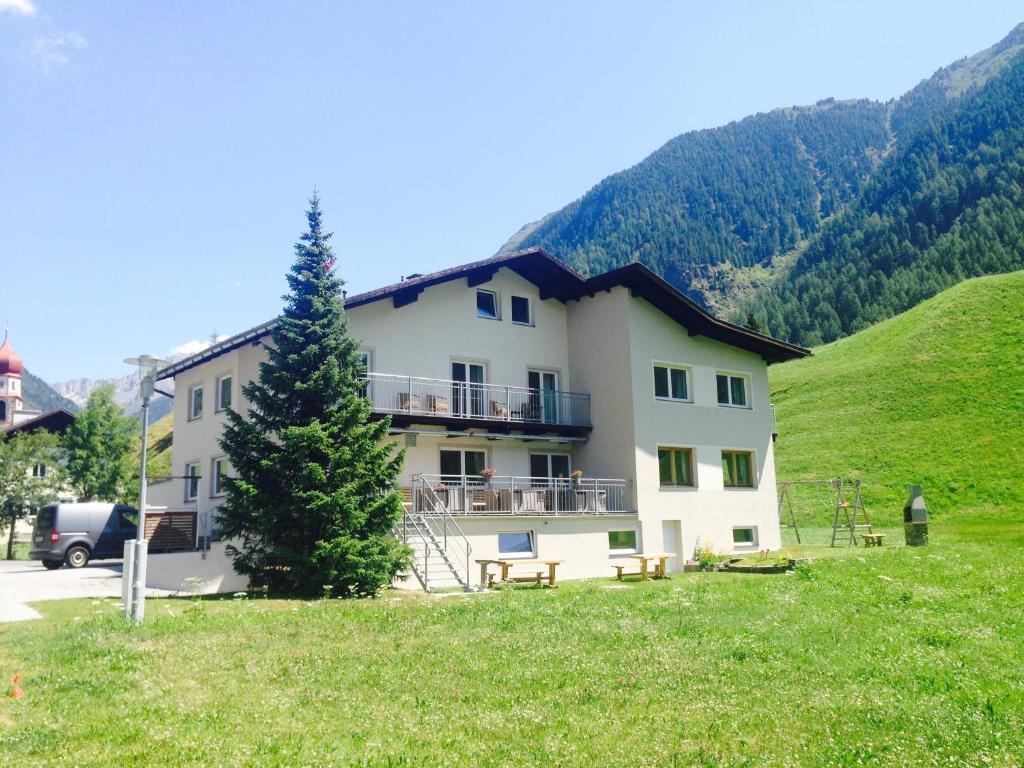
{"x":77,"y":533}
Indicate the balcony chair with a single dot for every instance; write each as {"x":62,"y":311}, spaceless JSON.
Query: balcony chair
{"x":408,"y":402}
{"x":437,"y":403}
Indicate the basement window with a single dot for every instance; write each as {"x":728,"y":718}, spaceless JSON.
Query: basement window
{"x":487,"y":305}
{"x":622,"y":542}
{"x":745,"y":536}
{"x":515,"y":543}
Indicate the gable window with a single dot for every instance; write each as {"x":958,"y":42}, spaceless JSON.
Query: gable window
{"x":487,"y":305}
{"x":516,"y":543}
{"x":622,"y":542}
{"x":219,"y":468}
{"x":738,"y":469}
{"x":39,"y":470}
{"x":744,"y":536}
{"x":675,"y":466}
{"x":671,"y":382}
{"x":732,"y":390}
{"x":195,"y":402}
{"x":521,"y":310}
{"x":192,"y":481}
{"x":224,"y":392}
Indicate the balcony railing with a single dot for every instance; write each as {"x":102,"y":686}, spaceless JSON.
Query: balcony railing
{"x":508,"y":495}
{"x":389,"y":393}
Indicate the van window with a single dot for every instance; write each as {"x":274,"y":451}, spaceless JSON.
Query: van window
{"x":44,"y":520}
{"x":129,"y":517}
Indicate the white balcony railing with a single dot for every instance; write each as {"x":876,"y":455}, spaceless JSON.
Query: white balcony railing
{"x":389,"y":393}
{"x":509,"y":495}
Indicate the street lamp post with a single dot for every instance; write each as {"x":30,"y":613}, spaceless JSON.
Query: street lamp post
{"x":135,"y":570}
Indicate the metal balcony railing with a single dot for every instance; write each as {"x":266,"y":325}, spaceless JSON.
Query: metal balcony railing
{"x":390,"y":393}
{"x":508,"y":495}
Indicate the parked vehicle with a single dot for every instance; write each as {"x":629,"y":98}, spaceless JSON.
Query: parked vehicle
{"x":74,"y":534}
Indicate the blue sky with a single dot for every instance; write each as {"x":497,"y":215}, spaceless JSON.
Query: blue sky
{"x":156,"y":157}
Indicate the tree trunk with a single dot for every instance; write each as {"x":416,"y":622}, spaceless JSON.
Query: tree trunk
{"x":10,"y":537}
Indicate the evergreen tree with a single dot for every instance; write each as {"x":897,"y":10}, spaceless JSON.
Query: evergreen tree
{"x":100,"y":446}
{"x":314,"y":495}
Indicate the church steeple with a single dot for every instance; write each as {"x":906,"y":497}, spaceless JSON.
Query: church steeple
{"x":11,"y":367}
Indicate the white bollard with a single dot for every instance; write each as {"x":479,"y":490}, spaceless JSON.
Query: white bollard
{"x":126,"y":577}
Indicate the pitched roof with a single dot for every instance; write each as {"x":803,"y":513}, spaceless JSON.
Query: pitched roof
{"x":55,"y":421}
{"x":556,"y":280}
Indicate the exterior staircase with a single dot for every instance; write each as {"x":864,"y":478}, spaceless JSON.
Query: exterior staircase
{"x":441,"y":552}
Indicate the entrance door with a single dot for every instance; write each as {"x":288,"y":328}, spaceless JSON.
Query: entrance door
{"x":467,"y":389}
{"x":672,"y":541}
{"x":544,"y":397}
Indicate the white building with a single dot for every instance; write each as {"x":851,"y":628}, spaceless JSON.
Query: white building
{"x":519,"y":365}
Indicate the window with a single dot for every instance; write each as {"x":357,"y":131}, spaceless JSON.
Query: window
{"x":549,"y":465}
{"x":224,"y":392}
{"x":219,"y":468}
{"x":39,"y":470}
{"x":455,"y":464}
{"x":195,"y":402}
{"x":192,"y":481}
{"x":129,"y":517}
{"x":744,"y":537}
{"x":675,"y":466}
{"x":515,"y":543}
{"x":737,"y":469}
{"x":732,"y":390}
{"x":366,"y":363}
{"x":670,"y":383}
{"x":622,"y":542}
{"x":521,"y":310}
{"x":487,"y":305}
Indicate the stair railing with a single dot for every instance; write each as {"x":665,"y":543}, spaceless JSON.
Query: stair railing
{"x":428,"y":504}
{"x":417,"y":532}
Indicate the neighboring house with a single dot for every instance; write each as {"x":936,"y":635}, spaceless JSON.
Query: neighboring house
{"x":520,"y":365}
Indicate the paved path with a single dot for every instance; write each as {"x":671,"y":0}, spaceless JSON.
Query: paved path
{"x":27,"y":581}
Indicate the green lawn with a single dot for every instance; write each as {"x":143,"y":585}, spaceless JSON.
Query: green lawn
{"x":872,"y":657}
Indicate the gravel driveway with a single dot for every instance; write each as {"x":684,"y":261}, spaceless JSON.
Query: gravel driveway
{"x":27,"y":581}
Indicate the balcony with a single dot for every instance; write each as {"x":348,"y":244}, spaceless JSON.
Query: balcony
{"x":444,"y":401}
{"x":522,"y":496}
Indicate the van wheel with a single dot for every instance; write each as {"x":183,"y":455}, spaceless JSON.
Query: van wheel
{"x":77,"y":557}
{"x":52,"y":565}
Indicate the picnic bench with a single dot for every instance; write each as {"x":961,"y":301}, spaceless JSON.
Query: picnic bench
{"x":537,"y":577}
{"x":874,"y":539}
{"x":660,"y":558}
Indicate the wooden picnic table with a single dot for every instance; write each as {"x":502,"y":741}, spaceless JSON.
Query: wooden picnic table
{"x":661,"y":559}
{"x":506,"y":565}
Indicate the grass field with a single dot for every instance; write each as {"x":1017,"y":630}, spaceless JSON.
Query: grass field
{"x":894,"y":657}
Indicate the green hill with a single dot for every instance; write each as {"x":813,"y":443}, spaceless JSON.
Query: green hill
{"x":933,"y":396}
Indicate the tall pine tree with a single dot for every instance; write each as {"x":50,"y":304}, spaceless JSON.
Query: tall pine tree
{"x":313,"y":496}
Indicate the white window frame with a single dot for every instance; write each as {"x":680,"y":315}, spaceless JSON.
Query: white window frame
{"x":462,"y":460}
{"x":216,"y":491}
{"x":687,"y":377}
{"x":624,"y":550}
{"x":520,"y":555}
{"x":497,"y":304}
{"x":529,"y":310}
{"x":191,"y":402}
{"x":218,"y":405}
{"x":752,"y":544}
{"x":189,"y":478}
{"x":748,"y":389}
{"x":754,"y":479}
{"x":693,"y":467}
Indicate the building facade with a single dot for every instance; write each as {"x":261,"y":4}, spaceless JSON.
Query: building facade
{"x":544,"y":416}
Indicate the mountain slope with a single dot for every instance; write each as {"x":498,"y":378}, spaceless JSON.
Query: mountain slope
{"x":932,"y":396}
{"x":948,"y":203}
{"x":879,"y":206}
{"x":734,"y":195}
{"x":40,"y":396}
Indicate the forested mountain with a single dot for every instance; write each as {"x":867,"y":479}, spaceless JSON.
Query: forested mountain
{"x":40,"y":396}
{"x":818,"y":221}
